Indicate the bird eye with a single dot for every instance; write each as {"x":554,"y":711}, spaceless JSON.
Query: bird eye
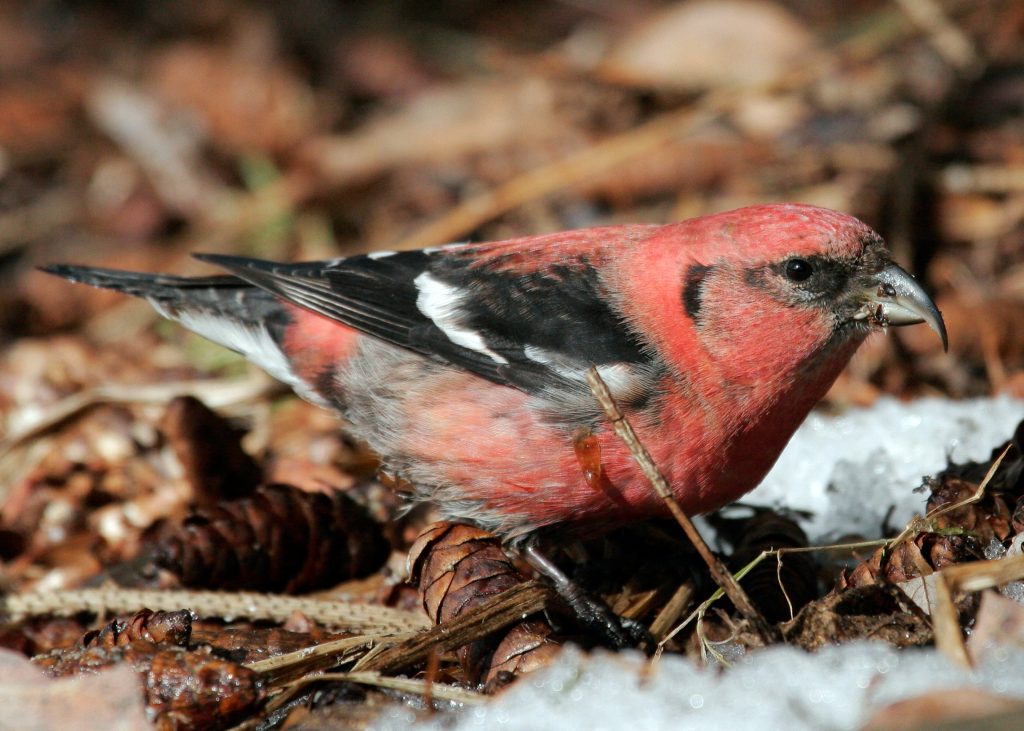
{"x":798,"y":270}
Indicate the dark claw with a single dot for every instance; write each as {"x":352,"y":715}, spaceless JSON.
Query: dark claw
{"x":592,"y":613}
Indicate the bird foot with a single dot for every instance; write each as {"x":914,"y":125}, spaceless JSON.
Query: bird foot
{"x":591,"y":612}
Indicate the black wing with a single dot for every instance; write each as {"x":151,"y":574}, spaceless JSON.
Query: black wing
{"x":533,"y":330}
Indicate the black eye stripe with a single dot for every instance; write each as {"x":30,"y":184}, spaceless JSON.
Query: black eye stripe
{"x":826,"y":277}
{"x":692,"y":286}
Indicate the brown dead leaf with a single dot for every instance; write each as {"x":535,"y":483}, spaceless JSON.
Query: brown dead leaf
{"x":246,"y":105}
{"x":947,"y":708}
{"x":210,"y":451}
{"x":446,"y":124}
{"x":998,"y":624}
{"x":709,"y":43}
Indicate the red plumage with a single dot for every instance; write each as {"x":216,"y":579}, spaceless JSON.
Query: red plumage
{"x":463,"y":366}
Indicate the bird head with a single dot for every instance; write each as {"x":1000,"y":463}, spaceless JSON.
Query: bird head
{"x":817,"y":260}
{"x":769,"y":291}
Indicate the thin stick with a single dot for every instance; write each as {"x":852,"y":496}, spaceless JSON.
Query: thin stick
{"x":291,"y":666}
{"x":672,"y":611}
{"x":949,"y":638}
{"x":418,"y":686}
{"x":917,"y":525}
{"x":428,"y":689}
{"x":500,"y":611}
{"x":719,"y":572}
{"x":782,"y":587}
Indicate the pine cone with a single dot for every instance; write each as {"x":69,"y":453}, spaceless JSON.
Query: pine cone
{"x":457,"y":568}
{"x":183,"y":689}
{"x":172,"y":628}
{"x":280,"y":539}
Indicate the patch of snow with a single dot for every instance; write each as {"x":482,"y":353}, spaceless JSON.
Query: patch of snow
{"x":835,"y":689}
{"x":854,"y":470}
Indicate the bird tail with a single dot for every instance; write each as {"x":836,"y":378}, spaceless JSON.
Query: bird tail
{"x":224,"y":309}
{"x":162,"y":288}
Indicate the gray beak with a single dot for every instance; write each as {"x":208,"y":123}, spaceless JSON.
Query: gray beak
{"x":895,"y":298}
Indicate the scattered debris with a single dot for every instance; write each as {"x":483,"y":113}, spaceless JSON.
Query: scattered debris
{"x":150,"y":484}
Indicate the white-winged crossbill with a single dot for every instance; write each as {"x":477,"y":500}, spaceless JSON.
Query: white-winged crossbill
{"x":463,"y":366}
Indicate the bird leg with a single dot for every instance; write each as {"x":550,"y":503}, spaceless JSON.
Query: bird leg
{"x":591,"y":612}
{"x":594,"y":614}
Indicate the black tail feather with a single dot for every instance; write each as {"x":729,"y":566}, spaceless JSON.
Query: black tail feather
{"x":224,"y":309}
{"x":223,"y":295}
{"x":141,"y":284}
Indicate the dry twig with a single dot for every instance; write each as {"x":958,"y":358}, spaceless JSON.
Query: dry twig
{"x":290,"y":666}
{"x":418,"y":686}
{"x":509,"y":606}
{"x":643,"y":459}
{"x":919,"y":525}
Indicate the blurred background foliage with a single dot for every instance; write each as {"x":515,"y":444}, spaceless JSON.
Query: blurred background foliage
{"x":134,"y":133}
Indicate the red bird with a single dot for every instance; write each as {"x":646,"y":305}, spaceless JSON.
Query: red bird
{"x":463,"y":366}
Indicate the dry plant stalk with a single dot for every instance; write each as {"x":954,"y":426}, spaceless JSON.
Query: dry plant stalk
{"x":719,"y":572}
{"x":498,"y":612}
{"x":923,"y":524}
{"x":339,"y":614}
{"x":290,"y":666}
{"x":417,"y":686}
{"x":671,"y":612}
